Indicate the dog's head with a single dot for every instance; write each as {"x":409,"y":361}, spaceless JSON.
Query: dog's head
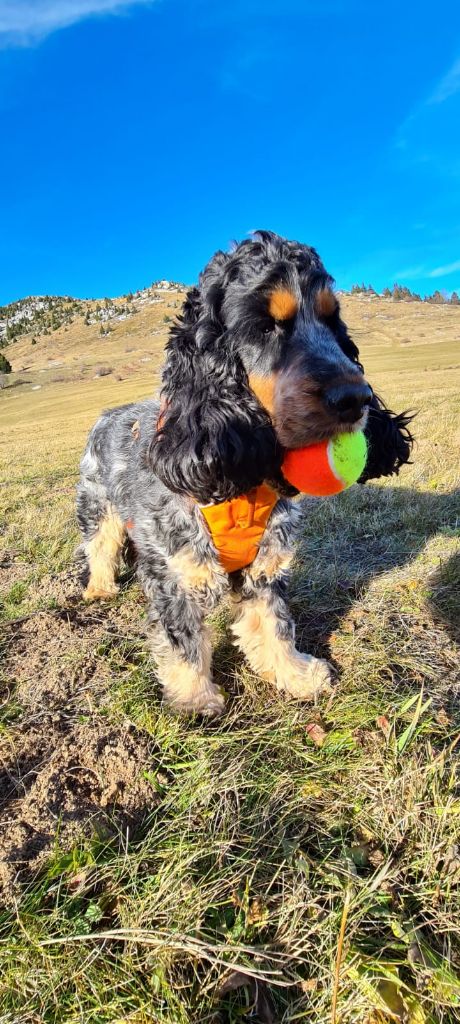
{"x":260,"y":361}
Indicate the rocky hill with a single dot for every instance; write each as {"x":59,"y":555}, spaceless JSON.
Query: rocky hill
{"x":48,"y":339}
{"x":43,"y":314}
{"x":53,"y":338}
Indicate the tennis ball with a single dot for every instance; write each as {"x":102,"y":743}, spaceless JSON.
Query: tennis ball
{"x":327,"y":467}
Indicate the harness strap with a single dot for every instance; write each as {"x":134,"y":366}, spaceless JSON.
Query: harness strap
{"x":237,"y":526}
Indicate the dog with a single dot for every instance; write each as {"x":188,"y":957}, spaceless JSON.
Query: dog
{"x":258,"y":362}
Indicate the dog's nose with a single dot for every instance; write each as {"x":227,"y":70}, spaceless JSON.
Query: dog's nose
{"x":348,"y":401}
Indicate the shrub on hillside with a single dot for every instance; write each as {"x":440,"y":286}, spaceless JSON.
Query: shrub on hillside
{"x":5,"y":366}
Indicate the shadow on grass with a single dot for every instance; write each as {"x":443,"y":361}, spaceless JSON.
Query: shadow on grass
{"x":445,"y":596}
{"x":366,"y":532}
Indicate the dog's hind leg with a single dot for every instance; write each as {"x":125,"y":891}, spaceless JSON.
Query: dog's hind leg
{"x":103,"y":552}
{"x":103,"y":538}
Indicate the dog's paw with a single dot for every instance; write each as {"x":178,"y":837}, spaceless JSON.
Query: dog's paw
{"x":98,"y":594}
{"x":305,"y":677}
{"x":208,"y":700}
{"x":212,"y":704}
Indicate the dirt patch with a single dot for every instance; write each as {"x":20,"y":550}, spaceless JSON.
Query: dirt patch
{"x":66,"y":770}
{"x":51,"y":661}
{"x":62,"y":588}
{"x":11,"y":571}
{"x":92,"y":782}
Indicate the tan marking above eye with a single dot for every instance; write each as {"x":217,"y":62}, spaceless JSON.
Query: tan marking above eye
{"x":282,"y":304}
{"x":325,"y":302}
{"x":264,"y":389}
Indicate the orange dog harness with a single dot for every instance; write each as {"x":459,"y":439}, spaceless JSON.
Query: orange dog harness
{"x":237,"y":526}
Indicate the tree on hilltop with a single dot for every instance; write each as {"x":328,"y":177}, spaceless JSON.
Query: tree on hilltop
{"x":363,"y":289}
{"x":437,"y":298}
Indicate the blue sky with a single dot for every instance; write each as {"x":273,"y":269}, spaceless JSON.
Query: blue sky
{"x":139,"y":137}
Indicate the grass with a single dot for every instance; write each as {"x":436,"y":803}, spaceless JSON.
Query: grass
{"x":271,"y":871}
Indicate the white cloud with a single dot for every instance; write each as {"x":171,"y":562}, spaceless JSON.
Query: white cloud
{"x":409,"y":273}
{"x":448,"y":86}
{"x":420,"y":271}
{"x":23,"y":22}
{"x":422,"y":139}
{"x":449,"y":268}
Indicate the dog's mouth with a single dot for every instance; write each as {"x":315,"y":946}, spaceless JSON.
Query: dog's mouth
{"x":290,"y":438}
{"x":305,"y":414}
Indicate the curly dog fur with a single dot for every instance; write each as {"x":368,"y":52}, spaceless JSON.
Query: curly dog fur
{"x":259,"y":361}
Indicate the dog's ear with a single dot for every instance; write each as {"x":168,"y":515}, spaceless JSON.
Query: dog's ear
{"x":214,"y":440}
{"x":389,"y":438}
{"x":389,"y":441}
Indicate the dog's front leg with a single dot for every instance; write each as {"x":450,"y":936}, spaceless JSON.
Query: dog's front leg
{"x":263,"y":627}
{"x":180,"y":592}
{"x":264,"y":632}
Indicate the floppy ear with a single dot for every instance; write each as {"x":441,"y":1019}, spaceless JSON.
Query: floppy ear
{"x":214,"y":441}
{"x":388,"y":436}
{"x":389,"y":441}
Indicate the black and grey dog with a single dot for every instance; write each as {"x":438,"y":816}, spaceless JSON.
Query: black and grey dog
{"x":259,"y":361}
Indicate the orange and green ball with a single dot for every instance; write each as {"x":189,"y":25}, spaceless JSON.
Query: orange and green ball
{"x":327,"y":467}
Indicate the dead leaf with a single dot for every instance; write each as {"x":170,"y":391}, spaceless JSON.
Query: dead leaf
{"x":75,"y":881}
{"x":316,"y":734}
{"x":383,"y":724}
{"x":310,"y":985}
{"x":256,"y":912}
{"x":376,"y":857}
{"x":258,"y":991}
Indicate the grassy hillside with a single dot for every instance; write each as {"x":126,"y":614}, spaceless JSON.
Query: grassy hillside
{"x":300,"y":862}
{"x":120,"y":335}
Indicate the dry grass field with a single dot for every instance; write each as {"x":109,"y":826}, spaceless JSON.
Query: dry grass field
{"x":287,"y":862}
